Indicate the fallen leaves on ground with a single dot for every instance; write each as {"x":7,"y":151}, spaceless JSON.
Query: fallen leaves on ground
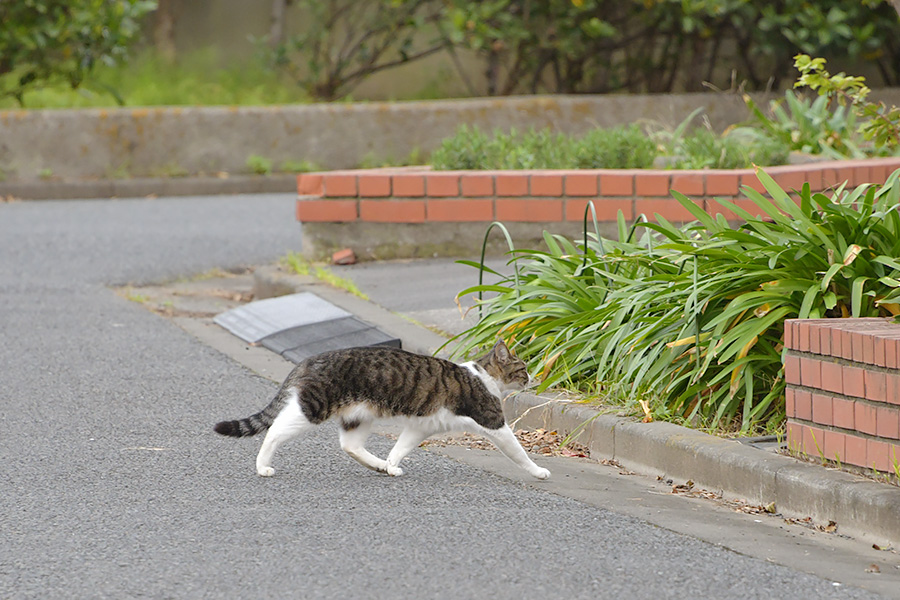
{"x":539,"y":441}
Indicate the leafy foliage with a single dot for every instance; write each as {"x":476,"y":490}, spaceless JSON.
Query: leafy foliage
{"x":346,"y":41}
{"x":567,"y":46}
{"x":880,"y":123}
{"x":692,"y":317}
{"x":63,"y":40}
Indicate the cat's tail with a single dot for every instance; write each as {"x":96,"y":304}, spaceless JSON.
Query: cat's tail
{"x":255,"y":423}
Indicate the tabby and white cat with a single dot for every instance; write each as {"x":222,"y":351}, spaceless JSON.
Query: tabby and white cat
{"x":359,"y":385}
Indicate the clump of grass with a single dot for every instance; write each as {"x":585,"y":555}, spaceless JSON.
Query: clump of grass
{"x":259,"y":165}
{"x":692,"y":317}
{"x":302,"y":266}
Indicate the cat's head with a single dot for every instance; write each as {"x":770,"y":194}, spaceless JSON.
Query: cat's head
{"x":507,"y":369}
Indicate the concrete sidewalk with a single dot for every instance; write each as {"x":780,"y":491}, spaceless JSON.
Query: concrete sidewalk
{"x":413,"y":300}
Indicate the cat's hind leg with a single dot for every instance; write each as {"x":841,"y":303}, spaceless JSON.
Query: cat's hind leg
{"x":353,"y":439}
{"x":506,"y":441}
{"x":409,"y":440}
{"x":289,"y":423}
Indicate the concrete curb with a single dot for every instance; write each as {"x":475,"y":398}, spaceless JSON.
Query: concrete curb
{"x":861,"y":508}
{"x":150,"y":186}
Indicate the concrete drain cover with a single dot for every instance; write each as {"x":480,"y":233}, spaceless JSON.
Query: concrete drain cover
{"x":298,"y":326}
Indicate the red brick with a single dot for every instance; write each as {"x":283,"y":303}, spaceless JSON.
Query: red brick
{"x":832,"y":377}
{"x":813,"y":438}
{"x":789,"y":337}
{"x":714,"y":208}
{"x":825,"y":341}
{"x":892,"y":388}
{"x":460,"y":210}
{"x":392,"y":211}
{"x":857,"y":343}
{"x":581,"y":184}
{"x":878,"y":352}
{"x":861,"y":174}
{"x":803,"y":404}
{"x":789,"y":178}
{"x":689,"y":183}
{"x":374,"y":186}
{"x":855,"y":450}
{"x":326,"y":211}
{"x":892,"y":353}
{"x":822,"y":410}
{"x":529,"y":210}
{"x":842,"y":412}
{"x":607,"y":209}
{"x":752,"y":181}
{"x":547,"y":184}
{"x":829,"y":178}
{"x":339,"y":185}
{"x":853,"y":381}
{"x":794,"y":436}
{"x":833,"y":445}
{"x":846,"y":343}
{"x":477,"y":184}
{"x":810,"y":372}
{"x":864,"y":418}
{"x":887,"y":422}
{"x":845,"y":175}
{"x":408,"y":185}
{"x":876,"y":385}
{"x":511,"y":184}
{"x":803,"y":333}
{"x":617,"y":184}
{"x":668,"y":208}
{"x":878,"y":455}
{"x":814,"y":179}
{"x":439,"y":185}
{"x":309,"y":184}
{"x":792,"y":369}
{"x":790,"y":409}
{"x":722,"y":183}
{"x":836,"y":342}
{"x":652,"y":183}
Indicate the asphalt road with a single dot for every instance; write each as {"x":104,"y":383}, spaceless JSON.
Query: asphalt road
{"x":114,"y":485}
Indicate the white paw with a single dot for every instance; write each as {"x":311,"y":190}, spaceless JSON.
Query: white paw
{"x":394,"y":471}
{"x":265,"y":471}
{"x":541,"y":473}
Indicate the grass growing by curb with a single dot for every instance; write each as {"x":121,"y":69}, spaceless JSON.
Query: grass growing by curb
{"x":301,"y":266}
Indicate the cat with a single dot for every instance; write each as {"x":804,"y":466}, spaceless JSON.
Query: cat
{"x":360,"y":385}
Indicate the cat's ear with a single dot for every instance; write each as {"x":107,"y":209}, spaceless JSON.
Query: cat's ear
{"x":501,"y":351}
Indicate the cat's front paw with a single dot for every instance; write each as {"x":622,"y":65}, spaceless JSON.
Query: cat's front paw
{"x":541,"y":473}
{"x":393,"y":471}
{"x":265,"y":471}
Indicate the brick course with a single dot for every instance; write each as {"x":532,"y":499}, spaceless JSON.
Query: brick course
{"x":843,"y":390}
{"x":635,"y":191}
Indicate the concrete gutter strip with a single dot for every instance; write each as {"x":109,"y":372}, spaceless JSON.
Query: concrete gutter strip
{"x":861,"y":508}
{"x":149,"y":186}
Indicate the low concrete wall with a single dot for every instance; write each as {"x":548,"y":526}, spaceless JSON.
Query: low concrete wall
{"x":141,"y":142}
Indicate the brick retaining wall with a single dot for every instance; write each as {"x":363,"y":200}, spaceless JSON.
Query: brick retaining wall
{"x":419,"y":195}
{"x":843,"y":390}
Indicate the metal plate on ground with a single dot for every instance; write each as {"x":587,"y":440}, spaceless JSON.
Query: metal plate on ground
{"x":257,"y":320}
{"x":370,"y":336}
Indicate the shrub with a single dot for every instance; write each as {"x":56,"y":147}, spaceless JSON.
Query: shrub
{"x":692,"y":317}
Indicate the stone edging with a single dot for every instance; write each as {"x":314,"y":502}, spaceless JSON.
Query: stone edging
{"x":862,"y":508}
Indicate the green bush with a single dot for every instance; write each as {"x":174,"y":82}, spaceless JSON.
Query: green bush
{"x":62,"y":41}
{"x":616,"y":148}
{"x":691,"y":317}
